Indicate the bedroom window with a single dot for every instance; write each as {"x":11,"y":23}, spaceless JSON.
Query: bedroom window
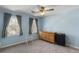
{"x":13,"y":27}
{"x":34,"y":27}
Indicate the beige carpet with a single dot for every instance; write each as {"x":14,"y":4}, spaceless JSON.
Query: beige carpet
{"x":39,"y":46}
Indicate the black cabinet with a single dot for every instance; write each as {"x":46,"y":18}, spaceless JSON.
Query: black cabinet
{"x":60,"y":39}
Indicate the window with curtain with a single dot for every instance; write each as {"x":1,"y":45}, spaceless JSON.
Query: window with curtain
{"x":34,"y":27}
{"x":13,"y":27}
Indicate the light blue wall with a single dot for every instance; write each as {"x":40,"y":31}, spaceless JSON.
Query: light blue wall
{"x":41,"y":23}
{"x":64,"y":22}
{"x":8,"y":41}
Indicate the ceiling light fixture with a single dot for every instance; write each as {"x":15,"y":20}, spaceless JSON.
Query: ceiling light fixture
{"x":42,"y":10}
{"x":42,"y":13}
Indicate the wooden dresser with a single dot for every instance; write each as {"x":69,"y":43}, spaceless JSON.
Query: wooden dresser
{"x":47,"y":36}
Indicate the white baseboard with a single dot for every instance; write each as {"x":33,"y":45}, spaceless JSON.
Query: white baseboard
{"x":73,"y":46}
{"x":13,"y":44}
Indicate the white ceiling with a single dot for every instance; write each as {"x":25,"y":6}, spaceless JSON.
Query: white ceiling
{"x":29,"y":8}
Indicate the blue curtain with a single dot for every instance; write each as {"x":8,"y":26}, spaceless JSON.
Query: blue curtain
{"x":20,"y":24}
{"x":37,"y":25}
{"x":30,"y":25}
{"x":6,"y":20}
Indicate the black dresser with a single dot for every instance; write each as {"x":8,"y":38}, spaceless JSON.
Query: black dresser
{"x":60,"y":39}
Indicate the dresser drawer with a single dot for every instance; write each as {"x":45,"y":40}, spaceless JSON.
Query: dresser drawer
{"x":48,"y":36}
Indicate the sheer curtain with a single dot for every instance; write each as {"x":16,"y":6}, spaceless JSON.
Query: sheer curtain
{"x":33,"y":25}
{"x":13,"y":27}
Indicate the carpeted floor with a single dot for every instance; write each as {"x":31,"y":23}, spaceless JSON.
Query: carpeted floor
{"x":39,"y":46}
